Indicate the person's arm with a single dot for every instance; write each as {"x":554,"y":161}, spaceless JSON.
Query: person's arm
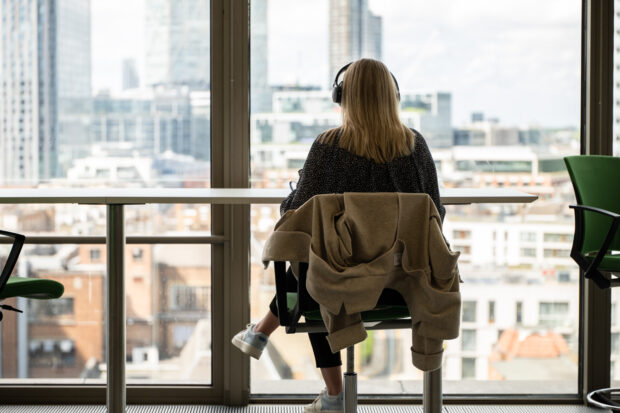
{"x":310,"y":180}
{"x":429,"y":171}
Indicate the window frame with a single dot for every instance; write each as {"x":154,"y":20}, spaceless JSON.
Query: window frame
{"x":230,"y":148}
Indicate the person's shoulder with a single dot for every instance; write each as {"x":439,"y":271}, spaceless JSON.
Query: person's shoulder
{"x":329,"y":138}
{"x":417,"y":134}
{"x":418,"y":140}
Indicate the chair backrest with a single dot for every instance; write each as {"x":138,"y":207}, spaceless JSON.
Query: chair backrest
{"x":18,"y":242}
{"x":596,"y":180}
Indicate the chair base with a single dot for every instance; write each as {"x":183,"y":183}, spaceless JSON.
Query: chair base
{"x":599,"y":399}
{"x":431,"y":397}
{"x":350,"y":392}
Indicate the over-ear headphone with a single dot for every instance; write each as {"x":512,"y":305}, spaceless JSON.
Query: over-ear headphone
{"x":337,"y":86}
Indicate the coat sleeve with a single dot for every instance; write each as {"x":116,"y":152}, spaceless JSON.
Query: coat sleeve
{"x":442,"y":303}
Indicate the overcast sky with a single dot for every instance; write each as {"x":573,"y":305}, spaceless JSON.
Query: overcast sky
{"x":517,"y":60}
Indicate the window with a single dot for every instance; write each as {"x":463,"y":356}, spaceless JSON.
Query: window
{"x":51,"y":353}
{"x":462,"y":234}
{"x":558,"y":237}
{"x":527,"y":236}
{"x":491,"y":312}
{"x":469,"y":311}
{"x":95,"y":254}
{"x":480,"y":139}
{"x":528,"y":252}
{"x":553,"y":314}
{"x":136,"y":253}
{"x":189,"y":298}
{"x":556,"y":253}
{"x":42,"y":309}
{"x":468,"y":368}
{"x":468,"y":340}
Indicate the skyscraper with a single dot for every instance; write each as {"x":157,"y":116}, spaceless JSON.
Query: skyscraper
{"x":260,"y":92}
{"x":130,"y":74}
{"x":71,"y":66}
{"x":44,"y":85}
{"x":177,"y":43}
{"x":354,"y":32}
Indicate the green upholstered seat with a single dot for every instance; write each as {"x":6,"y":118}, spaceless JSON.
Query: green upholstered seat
{"x":610,"y":262}
{"x":38,"y":288}
{"x":379,"y":313}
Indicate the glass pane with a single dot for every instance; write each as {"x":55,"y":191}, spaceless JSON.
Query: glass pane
{"x":168,"y":313}
{"x":168,"y":219}
{"x":53,"y":219}
{"x":61,"y":339}
{"x":494,"y":88}
{"x":105,"y":93}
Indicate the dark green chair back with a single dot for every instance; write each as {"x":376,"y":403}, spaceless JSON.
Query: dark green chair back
{"x":37,"y":288}
{"x":596,"y":180}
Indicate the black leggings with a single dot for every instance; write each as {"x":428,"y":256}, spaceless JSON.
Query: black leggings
{"x":323,"y":355}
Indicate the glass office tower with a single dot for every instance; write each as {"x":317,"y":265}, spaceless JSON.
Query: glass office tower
{"x":354,"y":32}
{"x":44,"y":86}
{"x":177,"y":43}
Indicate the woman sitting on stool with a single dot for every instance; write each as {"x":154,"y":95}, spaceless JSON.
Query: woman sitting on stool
{"x":371,"y":152}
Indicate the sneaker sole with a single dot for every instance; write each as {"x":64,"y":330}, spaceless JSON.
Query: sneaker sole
{"x":246,"y":348}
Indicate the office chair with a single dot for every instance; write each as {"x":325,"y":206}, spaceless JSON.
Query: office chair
{"x":391,"y":313}
{"x":36,"y":288}
{"x":596,"y":242}
{"x":341,"y":231}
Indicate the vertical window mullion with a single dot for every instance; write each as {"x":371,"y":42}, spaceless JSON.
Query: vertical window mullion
{"x":230,"y":87}
{"x":597,"y":138}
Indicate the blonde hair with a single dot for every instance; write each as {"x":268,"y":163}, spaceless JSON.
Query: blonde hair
{"x":371,"y":127}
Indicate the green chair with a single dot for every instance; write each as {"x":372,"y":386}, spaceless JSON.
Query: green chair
{"x":391,"y":313}
{"x":37,"y":288}
{"x":596,"y":243}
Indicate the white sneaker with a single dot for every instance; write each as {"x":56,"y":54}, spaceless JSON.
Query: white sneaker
{"x":250,"y":342}
{"x":326,"y":404}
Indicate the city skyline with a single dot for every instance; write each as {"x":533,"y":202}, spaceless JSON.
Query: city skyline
{"x":512,"y":61}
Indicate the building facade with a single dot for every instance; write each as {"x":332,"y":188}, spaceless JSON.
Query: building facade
{"x":178,"y":43}
{"x":354,"y":32}
{"x":45,"y":86}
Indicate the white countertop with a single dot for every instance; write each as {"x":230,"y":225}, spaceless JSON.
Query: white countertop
{"x":449,"y":196}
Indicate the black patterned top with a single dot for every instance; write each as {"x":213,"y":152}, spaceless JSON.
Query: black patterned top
{"x":330,"y":169}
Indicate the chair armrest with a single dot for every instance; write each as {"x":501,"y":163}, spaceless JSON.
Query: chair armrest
{"x":591,"y":268}
{"x":597,"y":210}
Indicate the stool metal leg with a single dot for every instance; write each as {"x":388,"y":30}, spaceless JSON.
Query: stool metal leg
{"x":350,"y":384}
{"x":431,"y":398}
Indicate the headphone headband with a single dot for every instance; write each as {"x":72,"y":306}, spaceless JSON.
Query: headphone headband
{"x":337,"y":87}
{"x":342,"y":69}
